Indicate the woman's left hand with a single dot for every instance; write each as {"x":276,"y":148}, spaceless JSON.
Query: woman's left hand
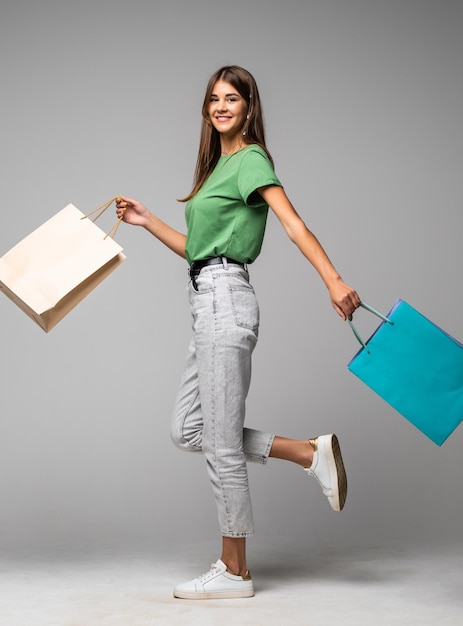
{"x":344,"y":299}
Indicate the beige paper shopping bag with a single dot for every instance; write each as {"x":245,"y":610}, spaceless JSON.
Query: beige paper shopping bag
{"x":55,"y":267}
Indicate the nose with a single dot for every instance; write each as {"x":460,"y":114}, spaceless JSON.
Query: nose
{"x":221,"y":105}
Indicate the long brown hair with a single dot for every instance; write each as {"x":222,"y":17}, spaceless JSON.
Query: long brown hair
{"x":253,"y":129}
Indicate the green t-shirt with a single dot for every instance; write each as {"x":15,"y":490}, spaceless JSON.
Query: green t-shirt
{"x":227,"y":216}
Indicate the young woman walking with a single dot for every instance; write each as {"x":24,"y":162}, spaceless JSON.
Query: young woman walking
{"x":226,"y":212}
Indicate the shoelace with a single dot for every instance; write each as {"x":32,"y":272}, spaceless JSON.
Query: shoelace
{"x":205,"y":577}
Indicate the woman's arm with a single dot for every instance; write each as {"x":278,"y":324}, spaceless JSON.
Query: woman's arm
{"x":134,"y":212}
{"x":343,"y":298}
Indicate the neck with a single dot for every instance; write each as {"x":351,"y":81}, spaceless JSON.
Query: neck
{"x":230,"y":147}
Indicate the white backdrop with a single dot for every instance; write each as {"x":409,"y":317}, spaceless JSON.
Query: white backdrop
{"x":363,"y":104}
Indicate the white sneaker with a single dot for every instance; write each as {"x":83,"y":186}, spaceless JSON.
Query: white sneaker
{"x":327,"y":467}
{"x":217,"y":583}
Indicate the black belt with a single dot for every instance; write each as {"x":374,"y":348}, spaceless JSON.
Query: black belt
{"x":197,"y":266}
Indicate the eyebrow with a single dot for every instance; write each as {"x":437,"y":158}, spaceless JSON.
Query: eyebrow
{"x":226,"y":95}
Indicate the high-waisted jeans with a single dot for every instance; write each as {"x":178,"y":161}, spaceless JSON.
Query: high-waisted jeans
{"x":210,"y":407}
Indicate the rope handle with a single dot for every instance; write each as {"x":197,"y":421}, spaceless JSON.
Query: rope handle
{"x":102,"y":208}
{"x":375,"y":312}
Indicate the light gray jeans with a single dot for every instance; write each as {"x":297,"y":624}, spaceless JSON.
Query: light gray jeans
{"x":210,"y":407}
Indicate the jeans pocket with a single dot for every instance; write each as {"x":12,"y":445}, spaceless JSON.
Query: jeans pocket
{"x":199,"y":285}
{"x":245,"y":308}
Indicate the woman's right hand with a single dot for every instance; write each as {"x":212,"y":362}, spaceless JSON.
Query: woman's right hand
{"x":134,"y":212}
{"x":131,"y":211}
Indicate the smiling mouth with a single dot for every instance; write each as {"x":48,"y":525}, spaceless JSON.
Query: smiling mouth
{"x":222,"y":118}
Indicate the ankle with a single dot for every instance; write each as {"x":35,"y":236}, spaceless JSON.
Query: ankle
{"x":297,"y":451}
{"x":234,"y":555}
{"x":234,"y":567}
{"x":308,"y":454}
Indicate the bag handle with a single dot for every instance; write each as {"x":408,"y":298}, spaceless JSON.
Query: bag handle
{"x":102,"y":208}
{"x":375,"y":312}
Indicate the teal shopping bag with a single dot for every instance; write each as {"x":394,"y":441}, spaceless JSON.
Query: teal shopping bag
{"x":416,"y":367}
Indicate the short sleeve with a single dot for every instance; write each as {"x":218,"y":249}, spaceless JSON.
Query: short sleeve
{"x":256,"y":171}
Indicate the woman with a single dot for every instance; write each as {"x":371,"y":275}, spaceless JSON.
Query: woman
{"x":226,"y":212}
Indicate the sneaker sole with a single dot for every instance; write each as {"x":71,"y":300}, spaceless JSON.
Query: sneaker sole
{"x":336,"y":466}
{"x":213,"y":595}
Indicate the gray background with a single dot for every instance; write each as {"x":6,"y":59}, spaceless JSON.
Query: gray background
{"x":363,"y":104}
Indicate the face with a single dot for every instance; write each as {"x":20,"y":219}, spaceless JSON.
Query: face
{"x":227,"y":110}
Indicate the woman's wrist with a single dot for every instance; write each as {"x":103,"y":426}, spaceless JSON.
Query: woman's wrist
{"x":332,"y":281}
{"x":148,"y":220}
{"x":330,"y":277}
